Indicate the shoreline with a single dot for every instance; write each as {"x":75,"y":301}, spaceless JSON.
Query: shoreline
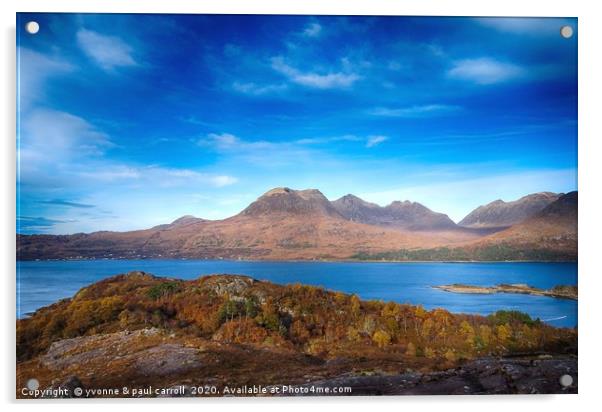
{"x":301,"y":260}
{"x":558,"y":292}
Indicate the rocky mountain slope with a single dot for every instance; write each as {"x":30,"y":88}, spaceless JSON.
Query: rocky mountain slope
{"x":504,"y":214}
{"x":548,"y":235}
{"x":404,"y":215}
{"x":553,"y":228}
{"x":223,"y":331}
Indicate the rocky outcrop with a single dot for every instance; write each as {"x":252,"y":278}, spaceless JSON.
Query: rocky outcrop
{"x":144,"y":349}
{"x":483,"y":377}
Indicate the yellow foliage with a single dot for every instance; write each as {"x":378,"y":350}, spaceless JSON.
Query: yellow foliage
{"x":503,"y":333}
{"x":353,"y":334}
{"x":355,"y":306}
{"x":381,"y":338}
{"x":485,"y":333}
{"x":429,"y":353}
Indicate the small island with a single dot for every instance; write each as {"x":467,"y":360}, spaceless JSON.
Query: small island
{"x":559,"y":291}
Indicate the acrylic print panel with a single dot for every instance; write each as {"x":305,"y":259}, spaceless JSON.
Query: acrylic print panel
{"x":214,"y":205}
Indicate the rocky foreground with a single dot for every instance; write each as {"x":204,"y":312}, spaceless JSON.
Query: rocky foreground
{"x":486,"y":376}
{"x":148,"y":362}
{"x":137,"y":335}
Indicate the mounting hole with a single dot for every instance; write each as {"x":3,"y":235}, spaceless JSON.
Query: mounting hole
{"x":566,"y":380}
{"x":566,"y":32}
{"x":32,"y":27}
{"x":33,"y":384}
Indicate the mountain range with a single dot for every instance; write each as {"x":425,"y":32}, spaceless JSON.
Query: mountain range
{"x":505,"y":214}
{"x":303,"y":224}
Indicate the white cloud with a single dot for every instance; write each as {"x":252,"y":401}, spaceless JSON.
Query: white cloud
{"x":226,"y":142}
{"x":333,"y":80}
{"x":31,"y":77}
{"x":428,"y":110}
{"x":156,"y":176}
{"x":258,"y":90}
{"x":108,"y":51}
{"x":323,"y":140}
{"x":223,"y":141}
{"x":375,"y":140}
{"x":312,"y":30}
{"x":485,"y":71}
{"x":49,"y":136}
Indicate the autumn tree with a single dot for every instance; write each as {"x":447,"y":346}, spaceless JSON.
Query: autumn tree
{"x":381,"y":338}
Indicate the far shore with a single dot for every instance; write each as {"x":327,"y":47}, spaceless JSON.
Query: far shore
{"x":82,"y":259}
{"x":560,"y":291}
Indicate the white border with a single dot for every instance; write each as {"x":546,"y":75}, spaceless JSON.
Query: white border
{"x":590,"y":134}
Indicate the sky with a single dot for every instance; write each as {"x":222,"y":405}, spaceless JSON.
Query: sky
{"x":130,"y":121}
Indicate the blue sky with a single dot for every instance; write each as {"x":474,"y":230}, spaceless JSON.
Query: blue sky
{"x":128,"y":121}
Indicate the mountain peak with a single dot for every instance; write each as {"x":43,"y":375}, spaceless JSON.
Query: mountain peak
{"x":398,"y":214}
{"x":278,"y":190}
{"x":186,"y":220}
{"x":284,"y":200}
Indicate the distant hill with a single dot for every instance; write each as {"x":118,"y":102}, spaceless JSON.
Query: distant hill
{"x":552,"y":228}
{"x":402,"y":215}
{"x":303,"y":224}
{"x":505,"y":214}
{"x":549,"y":235}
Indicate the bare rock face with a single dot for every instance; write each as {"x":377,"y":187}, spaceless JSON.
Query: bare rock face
{"x":232,"y":285}
{"x":503,"y":214}
{"x":143,"y":348}
{"x":167,"y":359}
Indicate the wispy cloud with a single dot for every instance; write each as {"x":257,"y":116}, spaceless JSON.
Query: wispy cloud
{"x":485,"y":71}
{"x":158,"y":176}
{"x":325,"y":140}
{"x":375,"y":140}
{"x":67,"y":203}
{"x":255,"y":89}
{"x":32,"y":78}
{"x":312,"y":30}
{"x":331,"y":80}
{"x":109,"y":52}
{"x":429,"y":110}
{"x":50,"y":136}
{"x":28,"y":224}
{"x":227,"y":142}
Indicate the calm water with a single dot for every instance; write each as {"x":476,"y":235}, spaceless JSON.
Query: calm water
{"x":42,"y":283}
